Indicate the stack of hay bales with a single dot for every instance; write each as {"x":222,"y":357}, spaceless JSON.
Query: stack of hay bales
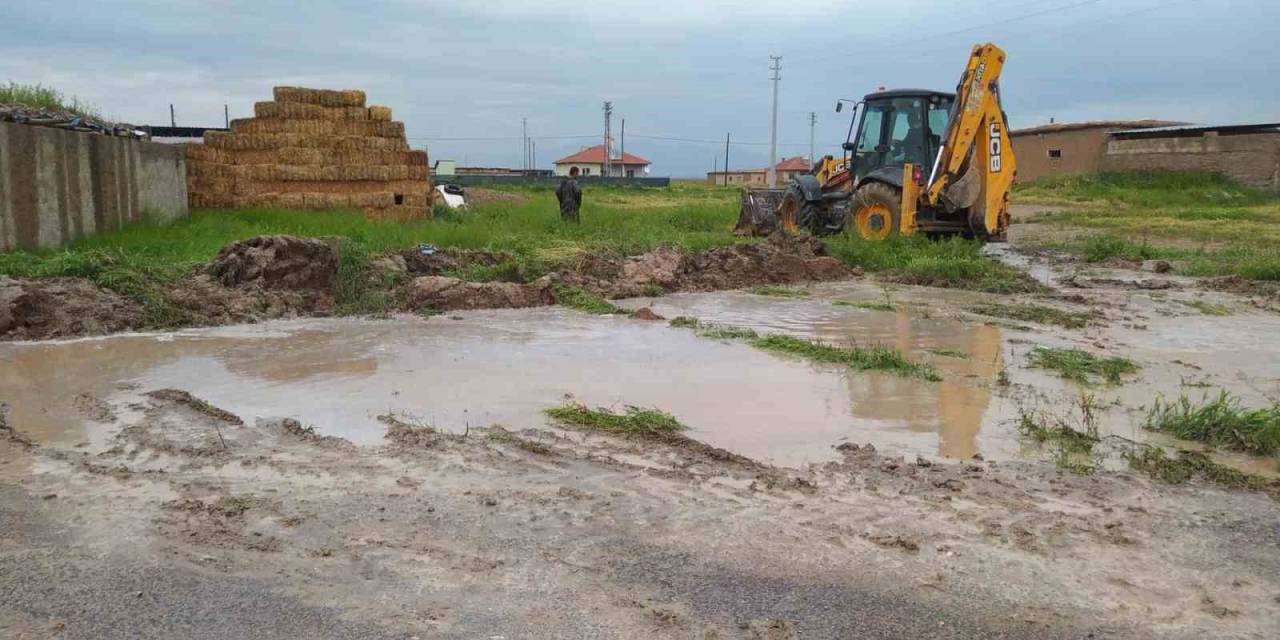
{"x":312,"y":149}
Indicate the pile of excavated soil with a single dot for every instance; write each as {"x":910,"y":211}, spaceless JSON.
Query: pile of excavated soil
{"x":61,"y":307}
{"x":281,"y":276}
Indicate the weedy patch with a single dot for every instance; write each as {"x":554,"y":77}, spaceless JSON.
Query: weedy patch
{"x":585,"y":301}
{"x":637,"y":422}
{"x":775,"y":291}
{"x":1082,"y":366}
{"x":874,"y":358}
{"x":1072,"y":447}
{"x":949,"y":353}
{"x":1154,"y":462}
{"x":1034,"y":313}
{"x":877,"y":358}
{"x":1220,"y":422}
{"x":685,"y":322}
{"x":1207,"y":308}
{"x":863,"y":304}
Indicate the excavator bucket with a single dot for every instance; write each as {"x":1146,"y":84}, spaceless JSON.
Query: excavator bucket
{"x":759,"y":213}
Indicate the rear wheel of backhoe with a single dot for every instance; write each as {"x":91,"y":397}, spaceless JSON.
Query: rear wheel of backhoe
{"x":876,"y":212}
{"x":796,"y":213}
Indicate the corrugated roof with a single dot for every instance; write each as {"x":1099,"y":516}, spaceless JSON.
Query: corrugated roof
{"x":1095,"y":124}
{"x":595,"y":155}
{"x":1187,"y":129}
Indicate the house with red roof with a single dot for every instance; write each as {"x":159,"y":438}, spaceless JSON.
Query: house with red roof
{"x":787,"y":168}
{"x":590,"y":162}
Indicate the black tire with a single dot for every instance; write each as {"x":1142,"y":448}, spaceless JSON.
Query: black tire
{"x":876,"y":212}
{"x":808,"y":215}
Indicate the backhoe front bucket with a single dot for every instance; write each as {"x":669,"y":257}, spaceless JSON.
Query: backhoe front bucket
{"x":759,"y":213}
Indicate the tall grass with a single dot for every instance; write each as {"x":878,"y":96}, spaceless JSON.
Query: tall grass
{"x":1082,"y":366}
{"x":40,"y":96}
{"x":1220,"y":421}
{"x":1147,"y":189}
{"x":948,"y":262}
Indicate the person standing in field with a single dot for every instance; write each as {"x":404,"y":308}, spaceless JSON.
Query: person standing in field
{"x":570,"y":196}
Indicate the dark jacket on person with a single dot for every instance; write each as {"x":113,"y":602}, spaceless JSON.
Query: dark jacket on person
{"x":570,"y":196}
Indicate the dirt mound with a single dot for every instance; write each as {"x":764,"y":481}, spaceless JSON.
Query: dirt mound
{"x":277,"y":262}
{"x":440,"y":293}
{"x":60,"y":307}
{"x":445,"y":260}
{"x":780,"y":260}
{"x":477,"y":196}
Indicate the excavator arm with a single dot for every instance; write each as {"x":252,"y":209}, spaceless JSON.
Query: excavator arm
{"x":975,"y":165}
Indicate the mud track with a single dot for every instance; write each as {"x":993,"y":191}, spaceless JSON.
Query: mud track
{"x":188,"y":524}
{"x":283,"y":276}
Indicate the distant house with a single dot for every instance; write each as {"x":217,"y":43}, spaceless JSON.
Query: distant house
{"x":1067,"y":147}
{"x":1248,"y":153}
{"x":590,"y":162}
{"x":759,"y":177}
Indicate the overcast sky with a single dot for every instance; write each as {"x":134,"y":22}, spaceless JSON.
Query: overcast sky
{"x":672,"y":68}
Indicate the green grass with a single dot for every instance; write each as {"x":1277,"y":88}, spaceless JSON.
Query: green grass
{"x":1082,"y":366}
{"x":876,"y":358}
{"x":775,"y":291}
{"x":864,"y":304}
{"x":1205,"y":223}
{"x":40,"y":96}
{"x":1220,"y":422}
{"x":587,"y":302}
{"x":636,"y":422}
{"x":1154,"y":462}
{"x":950,"y":262}
{"x":1072,"y":448}
{"x":1033,"y":313}
{"x":1207,"y":308}
{"x":949,"y":353}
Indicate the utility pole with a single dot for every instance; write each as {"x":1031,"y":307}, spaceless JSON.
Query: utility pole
{"x":173,"y":120}
{"x":608,"y":114}
{"x":226,"y":115}
{"x":726,"y":159}
{"x":776,"y":67}
{"x":715,"y":168}
{"x":813,"y":121}
{"x":533,"y":154}
{"x":524,"y":137}
{"x":622,"y":152}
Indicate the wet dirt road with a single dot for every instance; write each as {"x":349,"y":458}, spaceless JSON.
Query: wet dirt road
{"x":132,"y":514}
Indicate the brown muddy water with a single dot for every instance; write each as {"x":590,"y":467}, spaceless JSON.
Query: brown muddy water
{"x":507,"y":366}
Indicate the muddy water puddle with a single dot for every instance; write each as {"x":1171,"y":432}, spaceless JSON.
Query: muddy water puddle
{"x":507,"y":366}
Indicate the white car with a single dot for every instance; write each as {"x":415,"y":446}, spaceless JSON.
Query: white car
{"x":453,"y":195}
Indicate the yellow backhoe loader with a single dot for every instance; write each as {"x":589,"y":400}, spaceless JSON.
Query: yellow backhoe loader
{"x":918,"y":161}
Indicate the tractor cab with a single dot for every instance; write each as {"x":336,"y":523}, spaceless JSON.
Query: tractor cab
{"x":895,"y":128}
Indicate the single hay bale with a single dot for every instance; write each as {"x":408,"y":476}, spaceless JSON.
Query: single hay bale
{"x":417,"y":199}
{"x":321,"y":186}
{"x":304,"y":156}
{"x":204,"y":153}
{"x":301,"y":111}
{"x":416,"y":159}
{"x":382,"y":114}
{"x":376,"y":199}
{"x":419,"y":173}
{"x":398,"y":213}
{"x":323,"y":97}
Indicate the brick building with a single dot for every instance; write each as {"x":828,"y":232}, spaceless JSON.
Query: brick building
{"x":1247,"y":153}
{"x":760,"y":177}
{"x":1066,"y":148}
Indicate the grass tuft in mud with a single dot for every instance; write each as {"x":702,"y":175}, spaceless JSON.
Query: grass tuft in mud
{"x":1220,"y":422}
{"x":951,"y":262}
{"x":649,"y":424}
{"x":723,"y":332}
{"x":1154,"y":462}
{"x":775,"y":291}
{"x":875,"y":358}
{"x":1082,"y":366}
{"x":1207,"y":308}
{"x":586,"y":301}
{"x":1072,"y":447}
{"x":949,"y":353}
{"x":1033,"y":313}
{"x":359,"y":289}
{"x":684,"y":322}
{"x":503,"y":436}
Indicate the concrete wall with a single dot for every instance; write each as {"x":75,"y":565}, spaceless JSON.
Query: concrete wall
{"x":553,"y":181}
{"x":1081,"y":152}
{"x":58,"y":185}
{"x":1252,"y":159}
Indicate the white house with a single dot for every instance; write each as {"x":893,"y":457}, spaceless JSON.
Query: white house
{"x":590,"y":162}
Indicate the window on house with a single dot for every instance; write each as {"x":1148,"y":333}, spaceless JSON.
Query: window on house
{"x":586,"y":171}
{"x":1055,"y":154}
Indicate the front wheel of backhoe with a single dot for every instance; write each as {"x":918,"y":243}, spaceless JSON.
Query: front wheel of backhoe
{"x":796,"y":213}
{"x":876,"y":213}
